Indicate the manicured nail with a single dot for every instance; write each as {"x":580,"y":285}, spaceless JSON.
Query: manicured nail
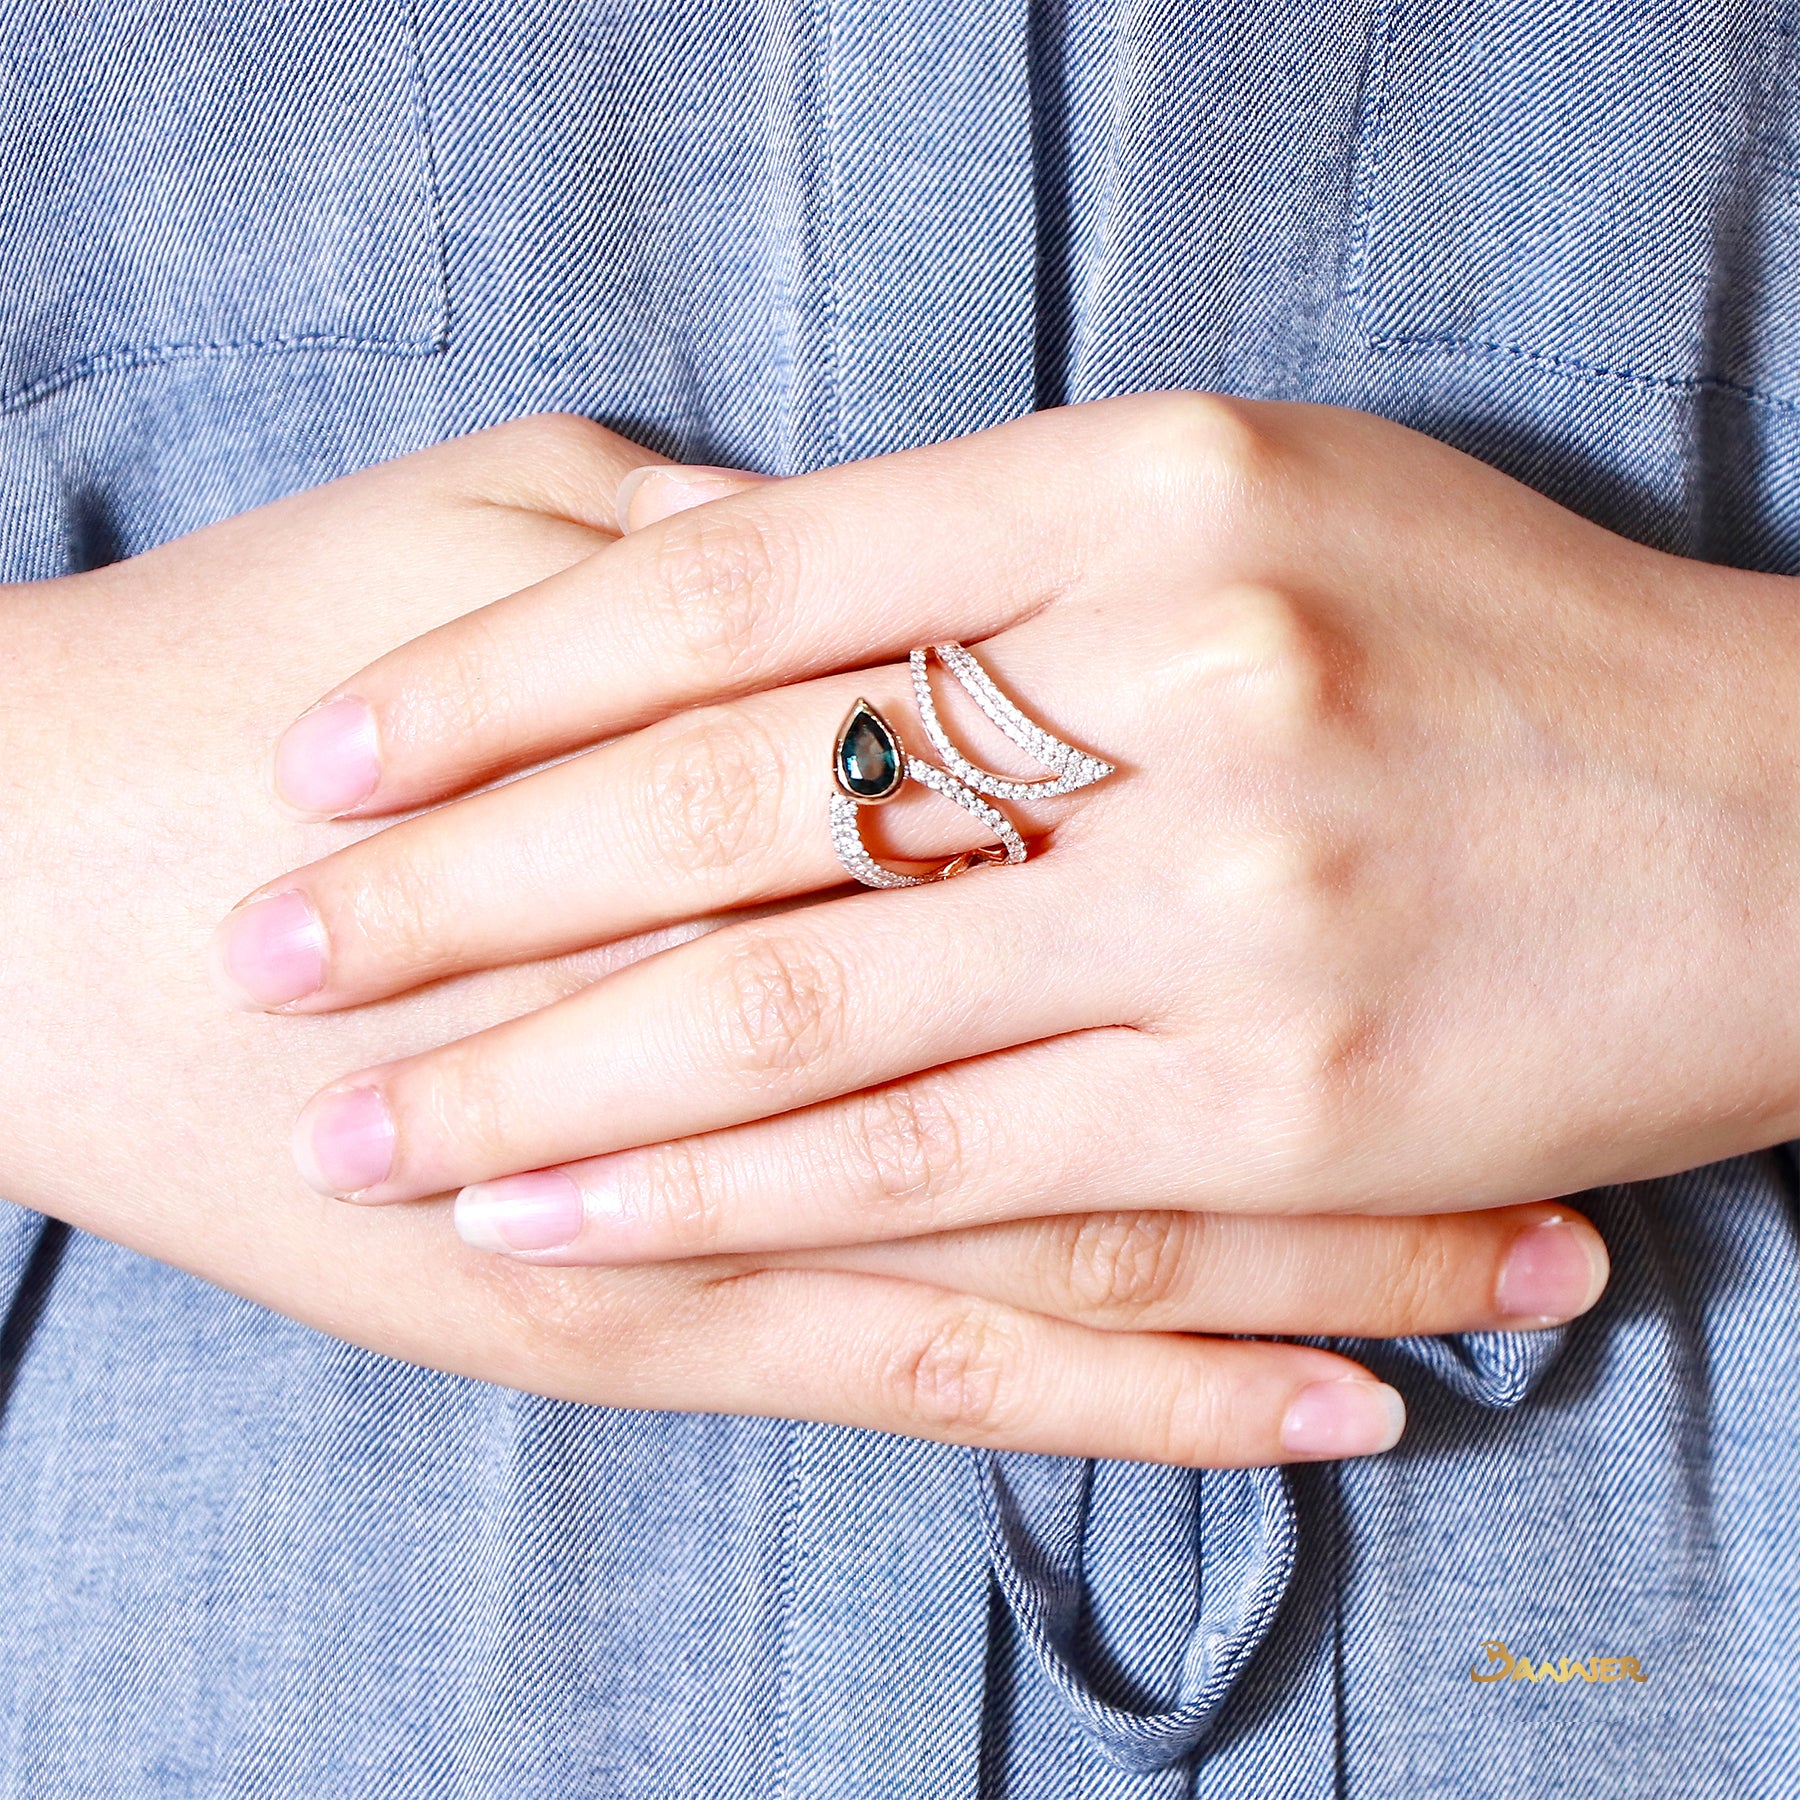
{"x":659,"y":490}
{"x":1554,"y":1271}
{"x":539,"y":1211}
{"x":269,"y":953}
{"x":328,"y":759}
{"x":1343,"y":1418}
{"x":344,"y":1141}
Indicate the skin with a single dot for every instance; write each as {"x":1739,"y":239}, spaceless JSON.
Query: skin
{"x":1450,"y":861}
{"x":142,"y":702}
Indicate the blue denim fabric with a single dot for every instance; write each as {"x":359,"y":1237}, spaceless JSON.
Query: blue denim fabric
{"x":249,"y":245}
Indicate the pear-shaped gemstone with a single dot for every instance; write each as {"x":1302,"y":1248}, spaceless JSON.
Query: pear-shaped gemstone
{"x":869,"y":764}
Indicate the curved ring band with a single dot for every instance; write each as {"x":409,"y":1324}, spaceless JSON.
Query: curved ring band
{"x":870,"y":766}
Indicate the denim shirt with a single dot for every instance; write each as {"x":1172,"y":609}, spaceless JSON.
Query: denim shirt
{"x":249,"y":245}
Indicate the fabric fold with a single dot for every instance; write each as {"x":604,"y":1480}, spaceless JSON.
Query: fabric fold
{"x":1495,"y":1369}
{"x":1040,"y":1515}
{"x":1034,"y":1514}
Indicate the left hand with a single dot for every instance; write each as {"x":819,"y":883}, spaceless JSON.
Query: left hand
{"x":1450,"y":861}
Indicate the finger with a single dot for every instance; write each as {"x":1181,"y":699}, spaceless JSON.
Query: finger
{"x":1025,"y":1142}
{"x":797,"y":578}
{"x":558,"y":472}
{"x":1514,"y":1268}
{"x":722,"y":808}
{"x":754,"y":1019}
{"x":1023,"y":1132}
{"x":898,"y":1356}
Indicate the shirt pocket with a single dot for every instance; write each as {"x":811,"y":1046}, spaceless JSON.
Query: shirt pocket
{"x":1607,"y":186}
{"x":185,"y":179}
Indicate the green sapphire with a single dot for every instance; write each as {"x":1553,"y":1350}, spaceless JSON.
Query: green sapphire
{"x":869,"y":765}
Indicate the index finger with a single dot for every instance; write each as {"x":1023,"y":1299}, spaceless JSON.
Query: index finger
{"x":787,"y":580}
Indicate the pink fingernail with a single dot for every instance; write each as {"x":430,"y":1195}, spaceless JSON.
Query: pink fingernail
{"x":344,"y":1141}
{"x":269,"y":953}
{"x":539,"y":1211}
{"x":1343,"y":1418}
{"x":1551,"y":1273}
{"x":658,"y":490}
{"x":328,"y":759}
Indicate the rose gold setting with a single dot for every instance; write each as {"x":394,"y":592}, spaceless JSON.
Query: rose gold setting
{"x":962,"y":781}
{"x":862,"y":705}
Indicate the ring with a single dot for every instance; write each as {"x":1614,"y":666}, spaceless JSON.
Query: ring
{"x":870,"y":765}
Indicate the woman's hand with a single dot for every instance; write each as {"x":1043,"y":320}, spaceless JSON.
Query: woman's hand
{"x":140,"y":704}
{"x":1448,"y":863}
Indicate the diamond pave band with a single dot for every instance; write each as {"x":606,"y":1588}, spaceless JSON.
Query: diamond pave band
{"x":1074,"y":768}
{"x":870,"y":766}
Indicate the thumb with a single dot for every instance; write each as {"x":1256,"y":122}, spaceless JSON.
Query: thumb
{"x":653,"y":491}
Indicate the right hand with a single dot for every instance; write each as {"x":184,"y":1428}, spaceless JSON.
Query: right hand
{"x":140,"y":702}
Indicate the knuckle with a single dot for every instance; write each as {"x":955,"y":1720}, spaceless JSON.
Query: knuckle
{"x":1418,"y":1277}
{"x":1287,"y":904}
{"x":1303,"y":1089}
{"x":1287,"y":879}
{"x":398,"y":915}
{"x":957,"y":1376}
{"x":723,"y":581}
{"x":1260,"y":648}
{"x":460,"y":696}
{"x":906,"y":1144}
{"x":1196,"y":450}
{"x":550,"y":436}
{"x":554,"y":1316}
{"x":1126,"y":1266}
{"x":678,"y":1189}
{"x":780,"y":1005}
{"x":469,"y":1105}
{"x":1196,"y":1423}
{"x":1321,"y":1068}
{"x":574,"y":1332}
{"x":716,"y":787}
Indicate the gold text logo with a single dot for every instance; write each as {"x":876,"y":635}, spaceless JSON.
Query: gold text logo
{"x":1502,"y":1665}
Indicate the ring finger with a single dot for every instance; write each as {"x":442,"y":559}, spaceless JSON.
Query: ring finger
{"x":712,"y":810}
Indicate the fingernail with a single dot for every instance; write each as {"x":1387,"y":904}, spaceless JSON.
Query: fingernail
{"x":344,"y":1141}
{"x":659,"y":490}
{"x":1553,"y":1272}
{"x":328,"y":759}
{"x":1343,"y":1418}
{"x":269,"y":953}
{"x":539,"y":1211}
